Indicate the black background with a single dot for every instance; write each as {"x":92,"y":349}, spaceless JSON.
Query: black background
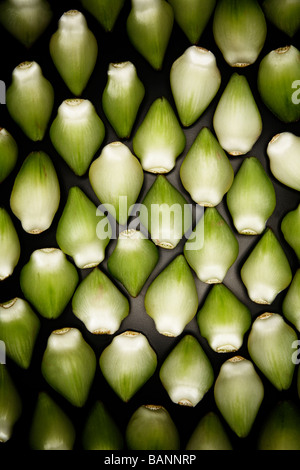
{"x":116,"y":47}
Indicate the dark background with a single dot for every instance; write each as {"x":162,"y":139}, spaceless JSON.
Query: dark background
{"x":115,"y":47}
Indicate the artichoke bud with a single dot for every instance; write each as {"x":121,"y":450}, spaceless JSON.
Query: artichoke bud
{"x":186,"y":372}
{"x":284,"y":14}
{"x":117,"y":177}
{"x":165,"y":213}
{"x":237,"y":120}
{"x":239,"y":393}
{"x":171,"y":300}
{"x":25,"y":20}
{"x":159,"y":140}
{"x":211,"y":248}
{"x":283,"y":152}
{"x":152,"y":428}
{"x":11,"y":406}
{"x":149,"y":27}
{"x":48,"y":281}
{"x":266,"y":272}
{"x":35,"y":195}
{"x":291,"y":302}
{"x":99,"y":304}
{"x":251,"y":200}
{"x":8,"y":153}
{"x":74,"y":51}
{"x":77,"y":132}
{"x":77,"y":234}
{"x":30,"y":100}
{"x":127,"y":363}
{"x":290,"y":227}
{"x":209,"y":434}
{"x":122,"y":97}
{"x":193,"y":16}
{"x":133,"y":260}
{"x":69,"y":365}
{"x":51,"y":428}
{"x":19,"y":330}
{"x":223,"y":320}
{"x":105,"y":11}
{"x":10,"y":248}
{"x":206,"y":172}
{"x":270,"y":345}
{"x":100,"y":430}
{"x":195,"y":80}
{"x":240,"y":31}
{"x":281,"y":429}
{"x":278,"y":80}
